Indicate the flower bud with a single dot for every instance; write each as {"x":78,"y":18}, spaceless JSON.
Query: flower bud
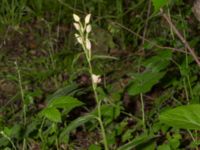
{"x":76,"y":17}
{"x":77,"y":26}
{"x":87,"y":18}
{"x":96,"y":78}
{"x":79,"y":39}
{"x":88,"y":44}
{"x":88,"y":28}
{"x":77,"y":35}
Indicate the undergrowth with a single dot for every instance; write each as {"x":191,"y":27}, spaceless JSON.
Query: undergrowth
{"x":113,"y":75}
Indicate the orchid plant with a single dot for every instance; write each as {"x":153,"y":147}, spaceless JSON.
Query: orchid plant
{"x":82,"y":37}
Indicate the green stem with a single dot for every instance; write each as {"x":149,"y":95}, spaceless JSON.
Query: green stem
{"x":22,"y":93}
{"x":98,"y":102}
{"x":84,"y":36}
{"x":40,"y":131}
{"x":193,"y":139}
{"x":23,"y":101}
{"x":9,"y":139}
{"x":143,"y":111}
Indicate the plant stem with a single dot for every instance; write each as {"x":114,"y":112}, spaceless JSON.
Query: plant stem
{"x":86,"y":45}
{"x":23,"y":101}
{"x":143,"y":111}
{"x":9,"y":139}
{"x":192,"y":137}
{"x":22,"y":93}
{"x":98,"y":102}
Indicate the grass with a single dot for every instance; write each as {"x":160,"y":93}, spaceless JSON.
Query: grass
{"x":130,"y":82}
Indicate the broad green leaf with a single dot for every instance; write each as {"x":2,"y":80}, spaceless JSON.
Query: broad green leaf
{"x":94,"y":147}
{"x":159,"y":4}
{"x":183,"y":117}
{"x":65,"y":102}
{"x":108,"y":112}
{"x":144,"y":82}
{"x":135,"y":142}
{"x":158,"y":62}
{"x":52,"y":114}
{"x":164,"y":147}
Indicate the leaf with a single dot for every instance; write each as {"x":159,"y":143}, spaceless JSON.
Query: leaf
{"x":74,"y":124}
{"x":65,"y":102}
{"x":135,"y":142}
{"x":183,"y":117}
{"x":104,"y":57}
{"x":94,"y":147}
{"x":108,"y":112}
{"x":164,"y":147}
{"x":158,"y":62}
{"x":144,"y":82}
{"x":68,"y":90}
{"x":52,"y":114}
{"x":158,"y":4}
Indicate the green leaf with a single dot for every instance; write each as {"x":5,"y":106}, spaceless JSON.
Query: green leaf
{"x":68,"y":90}
{"x":74,"y":124}
{"x":164,"y":147}
{"x":158,"y":4}
{"x":136,"y":141}
{"x":104,"y":57}
{"x":143,"y":82}
{"x":52,"y":114}
{"x":158,"y":62}
{"x":108,"y":112}
{"x":66,"y":102}
{"x":183,"y":117}
{"x":94,"y":147}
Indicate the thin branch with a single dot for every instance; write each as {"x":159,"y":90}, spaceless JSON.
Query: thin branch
{"x":183,"y":40}
{"x":141,"y":37}
{"x":146,"y":22}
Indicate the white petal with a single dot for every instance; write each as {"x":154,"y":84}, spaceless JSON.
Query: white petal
{"x":96,"y":78}
{"x":87,"y":18}
{"x":76,"y":17}
{"x":77,"y":26}
{"x":79,"y":39}
{"x":88,"y":28}
{"x":76,"y":35}
{"x":88,"y":44}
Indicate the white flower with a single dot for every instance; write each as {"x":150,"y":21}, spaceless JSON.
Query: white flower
{"x":88,"y":28}
{"x":79,"y":39}
{"x":76,"y":17}
{"x":96,"y":78}
{"x":87,"y":18}
{"x":88,"y":44}
{"x":77,"y":26}
{"x":77,"y":35}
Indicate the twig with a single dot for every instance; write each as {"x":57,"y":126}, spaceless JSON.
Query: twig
{"x":146,"y":22}
{"x":141,"y":37}
{"x":183,"y":40}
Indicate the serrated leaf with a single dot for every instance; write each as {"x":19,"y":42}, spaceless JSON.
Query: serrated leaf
{"x":66,"y":102}
{"x":144,"y":82}
{"x":183,"y":117}
{"x":52,"y":114}
{"x":159,"y":4}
